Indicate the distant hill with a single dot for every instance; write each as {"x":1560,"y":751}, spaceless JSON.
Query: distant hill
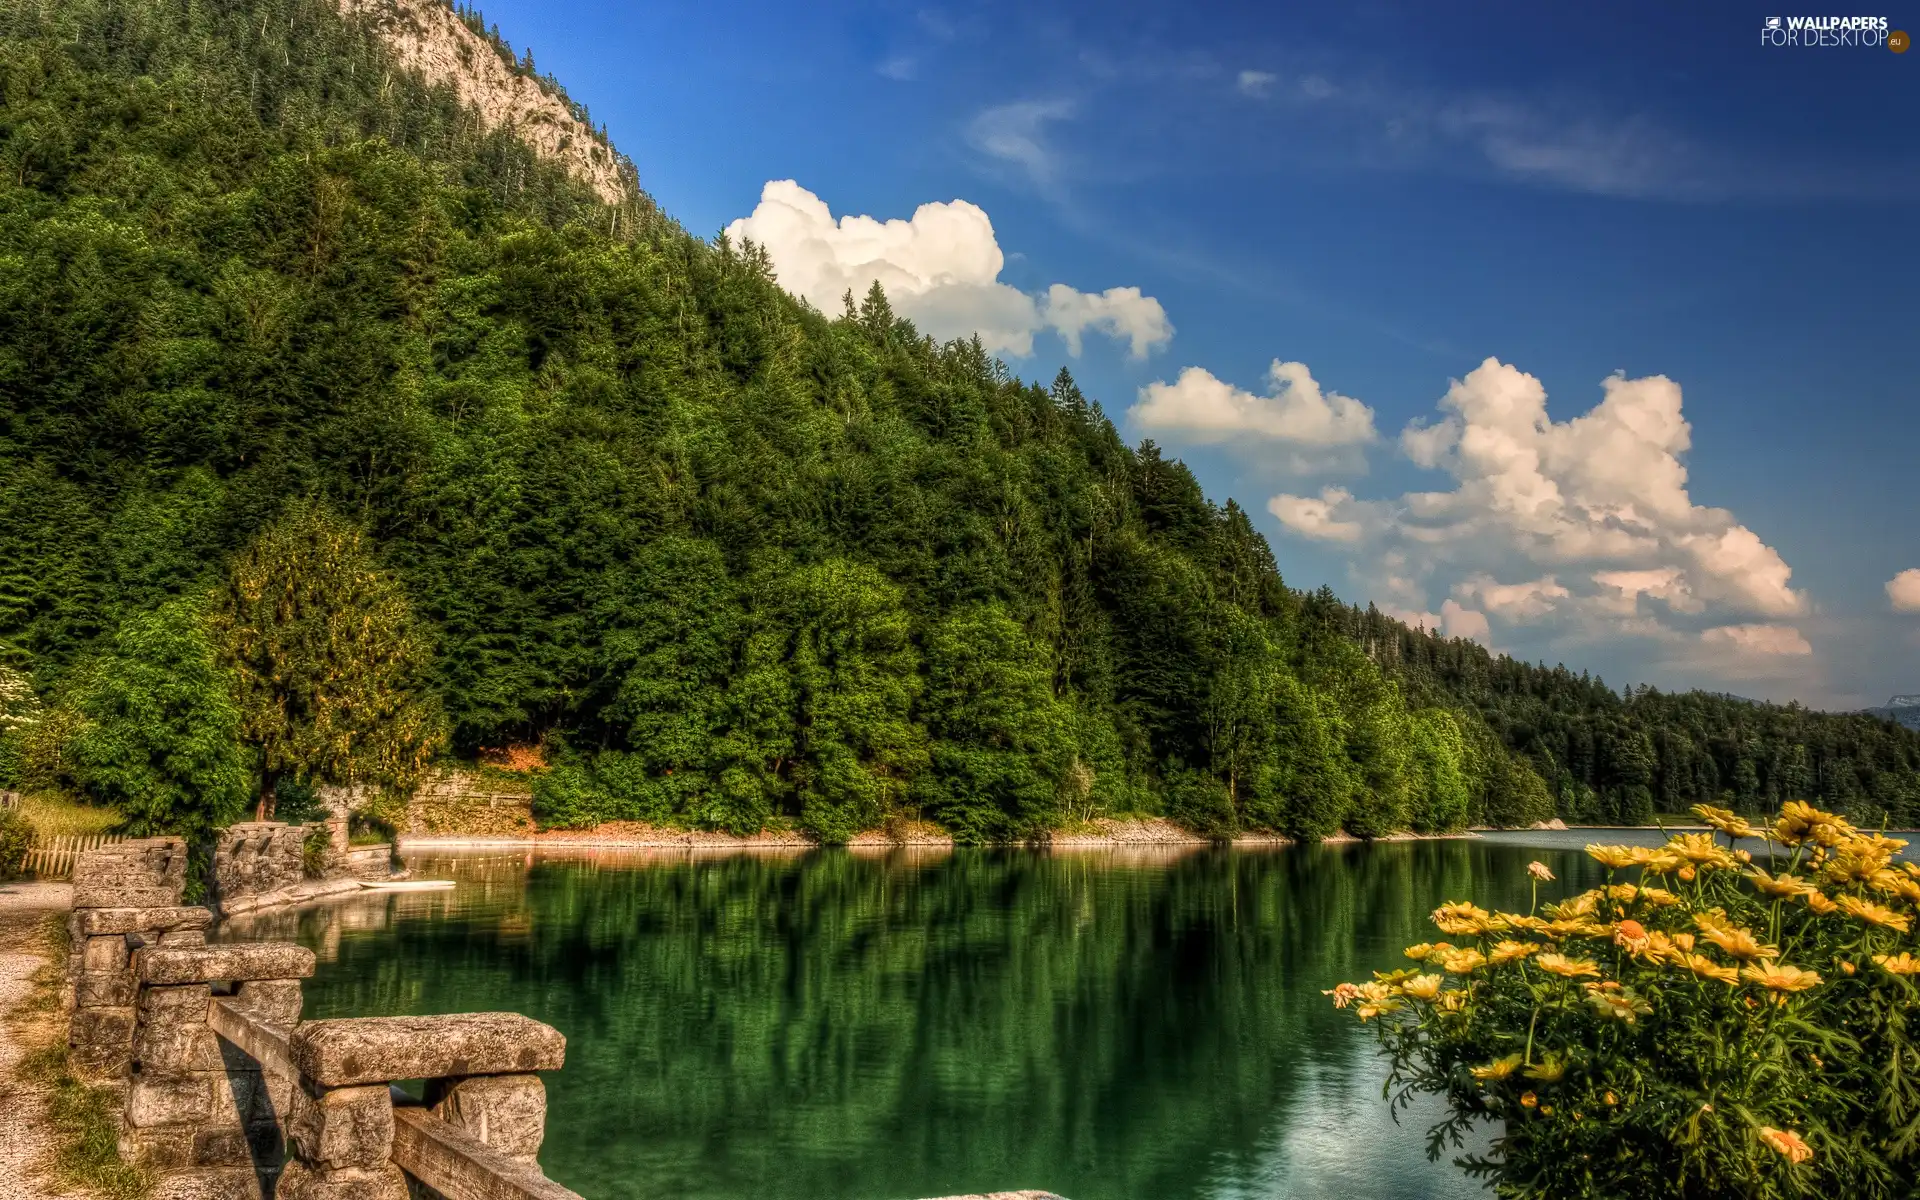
{"x":1904,"y":709}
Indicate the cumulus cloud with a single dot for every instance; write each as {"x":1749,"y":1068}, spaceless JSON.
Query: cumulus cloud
{"x":1759,"y":639}
{"x":941,"y":268}
{"x":1198,"y":407}
{"x":1583,"y":527}
{"x":1903,"y":591}
{"x":1314,"y":517}
{"x":1256,"y":83}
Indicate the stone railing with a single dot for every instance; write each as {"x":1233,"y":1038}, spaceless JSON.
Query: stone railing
{"x":229,"y":1095}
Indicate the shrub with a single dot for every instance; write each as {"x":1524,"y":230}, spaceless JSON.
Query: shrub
{"x":16,"y":838}
{"x":1711,"y":1026}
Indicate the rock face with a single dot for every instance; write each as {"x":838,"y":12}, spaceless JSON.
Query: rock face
{"x":426,"y":37}
{"x":1904,"y":709}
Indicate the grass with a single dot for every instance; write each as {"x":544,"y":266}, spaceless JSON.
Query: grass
{"x":86,"y":1152}
{"x":52,"y":816}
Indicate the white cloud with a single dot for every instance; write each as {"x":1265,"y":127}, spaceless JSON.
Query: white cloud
{"x":1903,"y":591}
{"x":1200,"y":408}
{"x":900,"y":68}
{"x":1314,"y":517}
{"x":1016,"y":133}
{"x":941,"y":269}
{"x":1256,"y":83}
{"x":1120,"y":312}
{"x":1584,"y":528}
{"x":1759,"y":639}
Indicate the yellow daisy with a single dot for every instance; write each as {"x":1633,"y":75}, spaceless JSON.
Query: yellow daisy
{"x":1780,"y":977}
{"x":1570,"y":968}
{"x":1787,"y":1142}
{"x":1423,"y":987}
{"x":1498,"y":1069}
{"x":1902,"y":963}
{"x":1461,"y":919}
{"x":1876,"y":914}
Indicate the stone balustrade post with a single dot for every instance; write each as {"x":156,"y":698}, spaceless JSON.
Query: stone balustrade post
{"x":198,"y":1110}
{"x":480,"y":1078}
{"x":125,"y":897}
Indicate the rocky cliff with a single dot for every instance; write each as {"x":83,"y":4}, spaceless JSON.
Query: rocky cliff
{"x":428,"y":37}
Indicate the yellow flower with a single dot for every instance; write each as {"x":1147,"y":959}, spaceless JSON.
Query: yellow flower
{"x":1461,"y":919}
{"x":1540,"y":870}
{"x":1622,"y":893}
{"x":1785,"y":887}
{"x":1377,"y":1008}
{"x":1683,"y":940}
{"x":1820,"y":904}
{"x":1420,"y":952}
{"x":1902,"y":963}
{"x":1854,"y":863}
{"x":1498,"y":1069}
{"x":1894,"y":883}
{"x":1738,"y":942}
{"x":1611,"y":1099}
{"x":1343,"y":994}
{"x":1506,"y":952}
{"x":1423,"y":987}
{"x":1528,"y":1099}
{"x":1875,"y":914}
{"x":1451,"y":1002}
{"x":1585,"y":904}
{"x":1390,"y":978}
{"x":1780,"y":977}
{"x":1701,"y":850}
{"x":1799,"y":821}
{"x":1576,"y":927}
{"x":1786,"y":1142}
{"x":1631,"y":936}
{"x":1724,"y":820}
{"x":1512,"y":921}
{"x":1662,"y":947}
{"x":1622,"y":1005}
{"x":1658,"y":897}
{"x":1706,"y":968}
{"x":1570,"y":968}
{"x":1463,"y":962}
{"x":1617,"y":857}
{"x":1547,"y":1070}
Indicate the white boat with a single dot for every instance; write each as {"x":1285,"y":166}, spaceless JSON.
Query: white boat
{"x":406,"y":885}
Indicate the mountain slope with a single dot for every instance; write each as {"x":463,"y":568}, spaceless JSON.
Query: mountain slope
{"x":737,"y":562}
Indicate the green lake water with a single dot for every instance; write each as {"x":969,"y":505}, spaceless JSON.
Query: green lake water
{"x":833,"y":1026}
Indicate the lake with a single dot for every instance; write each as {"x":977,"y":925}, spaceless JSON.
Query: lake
{"x":1109,"y":1025}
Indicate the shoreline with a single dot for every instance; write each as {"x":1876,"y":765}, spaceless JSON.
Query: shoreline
{"x":1104,"y":834}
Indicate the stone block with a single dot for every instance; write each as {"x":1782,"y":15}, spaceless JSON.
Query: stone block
{"x":208,"y":1183}
{"x":239,"y":961}
{"x":222,"y":1147}
{"x":165,"y":919}
{"x":104,"y":989}
{"x":170,"y":1100}
{"x":102,"y":1027}
{"x":276,"y":1001}
{"x":507,"y":1112}
{"x":184,"y":937}
{"x":261,"y":1095}
{"x":345,"y":1127}
{"x":105,"y":953}
{"x":302,"y":1181}
{"x":177,"y":1004}
{"x":173,"y":1048}
{"x":167,"y":1147}
{"x":356,"y":1050}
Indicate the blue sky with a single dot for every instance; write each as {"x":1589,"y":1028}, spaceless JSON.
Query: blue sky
{"x":1387,"y":195}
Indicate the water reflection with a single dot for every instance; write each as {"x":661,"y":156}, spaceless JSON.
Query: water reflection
{"x":1105,"y":1024}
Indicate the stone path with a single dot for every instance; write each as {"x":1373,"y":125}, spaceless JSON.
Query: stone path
{"x":24,"y":1136}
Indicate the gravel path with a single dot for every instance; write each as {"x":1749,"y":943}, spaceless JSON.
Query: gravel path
{"x":24,"y":1135}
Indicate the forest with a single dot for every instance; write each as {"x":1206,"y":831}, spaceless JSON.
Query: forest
{"x":341,"y":435}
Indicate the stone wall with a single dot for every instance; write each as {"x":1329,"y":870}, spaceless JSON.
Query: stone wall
{"x":226,"y":1094}
{"x":464,"y":803}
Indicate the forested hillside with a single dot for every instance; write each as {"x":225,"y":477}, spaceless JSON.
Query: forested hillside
{"x":274,"y":313}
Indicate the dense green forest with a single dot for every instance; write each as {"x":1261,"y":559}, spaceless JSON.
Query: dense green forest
{"x":274,"y":313}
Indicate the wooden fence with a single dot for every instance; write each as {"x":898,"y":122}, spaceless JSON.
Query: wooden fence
{"x":53,"y":858}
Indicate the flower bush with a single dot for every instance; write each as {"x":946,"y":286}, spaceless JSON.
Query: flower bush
{"x":1715,"y":1021}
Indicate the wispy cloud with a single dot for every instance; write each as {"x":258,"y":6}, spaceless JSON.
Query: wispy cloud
{"x":1017,"y":134}
{"x":901,"y":68}
{"x":1256,"y":83}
